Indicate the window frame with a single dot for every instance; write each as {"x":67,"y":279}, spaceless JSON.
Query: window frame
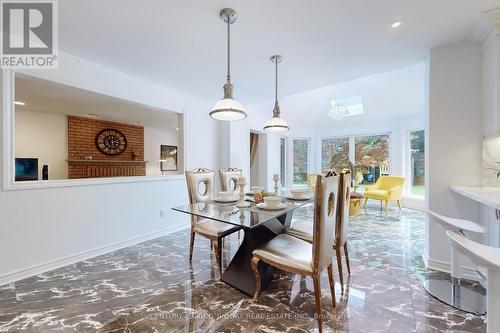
{"x":309,"y":159}
{"x":407,"y":162}
{"x":8,"y":145}
{"x":283,"y":164}
{"x":389,"y":134}
{"x":352,"y":147}
{"x":319,"y":159}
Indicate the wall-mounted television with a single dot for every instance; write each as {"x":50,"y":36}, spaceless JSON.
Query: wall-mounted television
{"x":26,"y":169}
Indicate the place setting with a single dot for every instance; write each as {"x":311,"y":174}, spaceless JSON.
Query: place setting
{"x":299,"y":195}
{"x":271,"y":201}
{"x":226,"y":197}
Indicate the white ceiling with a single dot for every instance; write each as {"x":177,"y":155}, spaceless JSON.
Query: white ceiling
{"x":181,"y":44}
{"x":46,"y":96}
{"x":387,"y":97}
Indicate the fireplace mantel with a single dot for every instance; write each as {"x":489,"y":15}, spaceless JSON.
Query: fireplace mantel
{"x":108,"y":161}
{"x":105,"y":168}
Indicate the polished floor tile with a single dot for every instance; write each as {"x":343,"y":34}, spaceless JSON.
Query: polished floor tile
{"x":151,"y":287}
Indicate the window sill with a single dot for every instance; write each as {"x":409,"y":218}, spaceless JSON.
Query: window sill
{"x":30,"y":185}
{"x":299,"y":186}
{"x":414,"y":197}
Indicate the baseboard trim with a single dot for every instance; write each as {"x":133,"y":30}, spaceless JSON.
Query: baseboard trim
{"x":45,"y":267}
{"x":442,"y":266}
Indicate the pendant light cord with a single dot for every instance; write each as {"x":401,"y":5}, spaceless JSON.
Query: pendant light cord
{"x":228,"y":51}
{"x":276,"y":83}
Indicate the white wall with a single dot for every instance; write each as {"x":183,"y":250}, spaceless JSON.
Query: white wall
{"x":490,"y":84}
{"x":153,"y":138}
{"x":453,"y":151}
{"x":45,"y":228}
{"x":44,"y":136}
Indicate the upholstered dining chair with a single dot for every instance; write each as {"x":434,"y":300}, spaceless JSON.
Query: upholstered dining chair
{"x":200,"y":184}
{"x":295,"y":255}
{"x":229,"y":179}
{"x":304,"y":229}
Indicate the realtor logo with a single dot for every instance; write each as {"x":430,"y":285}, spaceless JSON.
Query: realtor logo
{"x":29,"y":38}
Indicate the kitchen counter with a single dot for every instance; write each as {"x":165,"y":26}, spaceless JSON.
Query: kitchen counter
{"x":489,"y":196}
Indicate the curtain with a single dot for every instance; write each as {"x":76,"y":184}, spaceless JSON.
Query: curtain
{"x":254,"y":140}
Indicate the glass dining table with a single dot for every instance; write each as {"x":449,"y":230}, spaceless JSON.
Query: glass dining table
{"x":259,"y":227}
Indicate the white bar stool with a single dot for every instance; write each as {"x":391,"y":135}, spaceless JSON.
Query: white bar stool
{"x":451,"y":291}
{"x":489,"y":258}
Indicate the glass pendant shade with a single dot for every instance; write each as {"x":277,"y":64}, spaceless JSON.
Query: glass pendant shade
{"x":228,"y":109}
{"x":276,"y":123}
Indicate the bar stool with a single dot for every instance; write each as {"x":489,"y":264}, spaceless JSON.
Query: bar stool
{"x":451,"y":291}
{"x":489,"y":258}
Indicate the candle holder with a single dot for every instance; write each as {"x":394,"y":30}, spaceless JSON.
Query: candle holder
{"x":242,"y":203}
{"x":276,"y":180}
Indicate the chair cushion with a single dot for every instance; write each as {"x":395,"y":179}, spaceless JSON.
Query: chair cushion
{"x":377,"y":194}
{"x":212,"y":228}
{"x":302,"y":229}
{"x":287,"y":251}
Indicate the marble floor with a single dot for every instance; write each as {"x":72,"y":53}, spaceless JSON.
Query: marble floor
{"x":150,"y":287}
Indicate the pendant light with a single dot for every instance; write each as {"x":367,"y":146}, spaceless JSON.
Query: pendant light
{"x":338,"y":111}
{"x":228,"y":109}
{"x":276,"y":123}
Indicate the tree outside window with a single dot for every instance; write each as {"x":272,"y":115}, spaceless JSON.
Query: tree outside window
{"x":300,"y":161}
{"x":334,"y":151}
{"x":372,"y":157}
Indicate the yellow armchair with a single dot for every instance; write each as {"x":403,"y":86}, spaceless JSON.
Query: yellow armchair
{"x":387,"y":188}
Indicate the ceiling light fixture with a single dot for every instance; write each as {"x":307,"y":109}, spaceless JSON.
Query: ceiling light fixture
{"x":338,"y":111}
{"x":397,"y":24}
{"x":276,"y":123}
{"x":228,"y":109}
{"x":19,"y":103}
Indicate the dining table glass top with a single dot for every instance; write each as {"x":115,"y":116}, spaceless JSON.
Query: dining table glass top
{"x":248,"y":217}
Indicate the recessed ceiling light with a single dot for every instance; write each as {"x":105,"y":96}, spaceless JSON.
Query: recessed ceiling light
{"x":177,"y":128}
{"x":397,"y":24}
{"x":19,"y":103}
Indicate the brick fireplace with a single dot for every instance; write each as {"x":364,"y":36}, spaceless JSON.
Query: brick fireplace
{"x":85,"y":160}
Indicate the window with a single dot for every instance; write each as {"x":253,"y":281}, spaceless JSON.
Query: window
{"x":334,"y":151}
{"x":417,"y":162}
{"x":300,"y":161}
{"x":372,"y":157}
{"x":283,"y":162}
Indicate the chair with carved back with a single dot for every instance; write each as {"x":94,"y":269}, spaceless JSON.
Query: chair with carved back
{"x":200,"y":184}
{"x":342,"y":227}
{"x":303,"y":229}
{"x":229,"y":179}
{"x":294,"y":255}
